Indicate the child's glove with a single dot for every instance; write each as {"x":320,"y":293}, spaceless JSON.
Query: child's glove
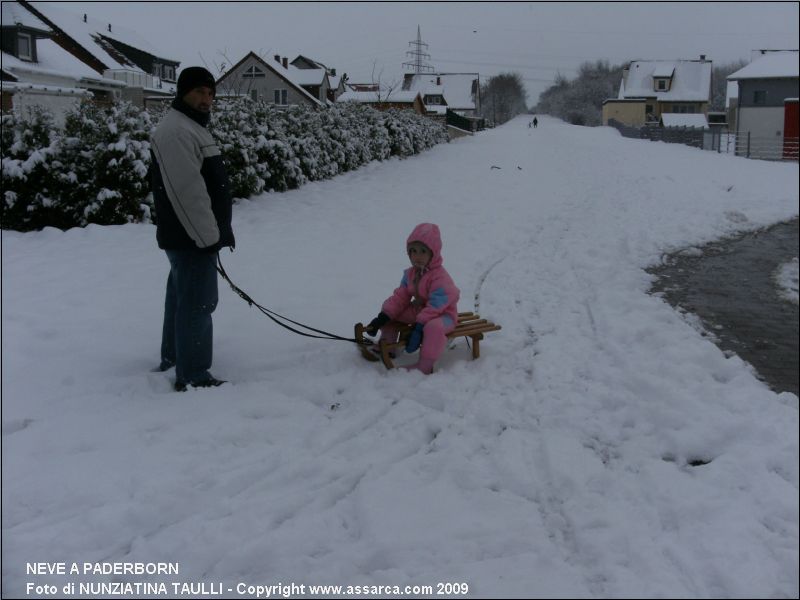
{"x":415,"y":339}
{"x":376,"y":323}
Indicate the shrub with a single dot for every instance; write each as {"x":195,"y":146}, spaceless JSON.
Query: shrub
{"x":94,"y":168}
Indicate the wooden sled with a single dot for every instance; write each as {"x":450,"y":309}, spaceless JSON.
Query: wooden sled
{"x":469,"y":325}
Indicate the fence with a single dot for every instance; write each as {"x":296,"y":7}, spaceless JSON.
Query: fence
{"x":717,"y":140}
{"x":466,"y":123}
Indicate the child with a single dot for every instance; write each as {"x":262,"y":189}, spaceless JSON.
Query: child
{"x":426,"y":298}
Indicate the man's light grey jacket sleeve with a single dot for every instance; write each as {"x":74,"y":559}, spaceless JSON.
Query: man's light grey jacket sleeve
{"x":180,"y":158}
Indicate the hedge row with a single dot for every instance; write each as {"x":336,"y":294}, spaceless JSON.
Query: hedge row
{"x":93,"y":169}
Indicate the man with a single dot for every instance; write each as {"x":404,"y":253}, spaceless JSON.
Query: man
{"x":193,"y":211}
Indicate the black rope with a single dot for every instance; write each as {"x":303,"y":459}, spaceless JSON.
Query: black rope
{"x":275,"y":316}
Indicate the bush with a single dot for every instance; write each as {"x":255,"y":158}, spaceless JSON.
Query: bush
{"x":94,"y":168}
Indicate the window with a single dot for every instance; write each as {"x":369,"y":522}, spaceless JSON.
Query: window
{"x":253,"y":73}
{"x":254,"y":95}
{"x":25,"y":46}
{"x":760,"y":97}
{"x":662,"y":84}
{"x":281,"y":97}
{"x":169,"y":73}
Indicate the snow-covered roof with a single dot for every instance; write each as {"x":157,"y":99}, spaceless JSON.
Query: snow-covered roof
{"x":772,"y":65}
{"x":53,"y":61}
{"x":13,"y":12}
{"x":433,"y":90}
{"x":691,"y":81}
{"x":24,"y":86}
{"x":664,"y":70}
{"x":306,"y":76}
{"x":397,"y":96}
{"x":438,"y":109}
{"x":87,"y":35}
{"x":334,"y":81}
{"x":457,"y":87}
{"x":684,"y":120}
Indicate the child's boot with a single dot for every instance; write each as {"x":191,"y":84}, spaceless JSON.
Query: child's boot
{"x":424,"y":365}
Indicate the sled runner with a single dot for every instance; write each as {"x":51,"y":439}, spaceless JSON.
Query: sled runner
{"x":469,"y":325}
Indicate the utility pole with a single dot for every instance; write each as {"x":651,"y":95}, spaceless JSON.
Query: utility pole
{"x":419,"y":56}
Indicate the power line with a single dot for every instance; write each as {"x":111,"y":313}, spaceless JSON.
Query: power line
{"x":506,"y":65}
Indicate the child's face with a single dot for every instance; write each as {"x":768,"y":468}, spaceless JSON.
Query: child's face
{"x":419,"y":254}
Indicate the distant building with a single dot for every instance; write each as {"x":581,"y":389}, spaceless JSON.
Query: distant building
{"x":460,"y":92}
{"x":126,"y":65}
{"x":336,"y":83}
{"x":767,"y":105}
{"x":649,"y":89}
{"x":274,"y":81}
{"x":385,"y":100}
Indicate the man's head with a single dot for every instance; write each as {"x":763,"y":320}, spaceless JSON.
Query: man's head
{"x":196,"y":87}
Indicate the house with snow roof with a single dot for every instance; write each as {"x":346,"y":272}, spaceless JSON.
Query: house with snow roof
{"x":36,"y":71}
{"x":336,"y":83}
{"x":652,"y":88}
{"x":767,"y":105}
{"x":460,"y":92}
{"x":112,"y":51}
{"x":387,"y":99}
{"x":274,"y":81}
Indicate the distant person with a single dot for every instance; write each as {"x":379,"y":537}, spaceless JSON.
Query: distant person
{"x":426,"y":299}
{"x":535,"y":122}
{"x":193,"y":208}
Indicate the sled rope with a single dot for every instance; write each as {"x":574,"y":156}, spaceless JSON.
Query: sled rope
{"x":279,"y":318}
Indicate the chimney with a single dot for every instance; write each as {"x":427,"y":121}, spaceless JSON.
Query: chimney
{"x":333,"y":72}
{"x":702,"y":58}
{"x":277,"y":57}
{"x":438,"y":80}
{"x":285,"y":62}
{"x":109,"y":26}
{"x":84,"y":17}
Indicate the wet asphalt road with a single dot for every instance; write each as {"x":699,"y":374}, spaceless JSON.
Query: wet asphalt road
{"x":730,"y":287}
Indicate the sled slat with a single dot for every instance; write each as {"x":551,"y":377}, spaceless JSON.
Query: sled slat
{"x":469,"y":325}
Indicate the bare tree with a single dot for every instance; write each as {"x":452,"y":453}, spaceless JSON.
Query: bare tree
{"x":503,"y":97}
{"x":719,"y":83}
{"x":382,"y":90}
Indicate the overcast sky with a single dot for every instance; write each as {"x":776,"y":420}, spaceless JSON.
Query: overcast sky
{"x":534,"y":39}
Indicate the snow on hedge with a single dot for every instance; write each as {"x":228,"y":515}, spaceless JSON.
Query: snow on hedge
{"x":94,"y":168}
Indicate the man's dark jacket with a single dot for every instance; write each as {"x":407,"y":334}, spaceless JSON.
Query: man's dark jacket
{"x":190,"y":186}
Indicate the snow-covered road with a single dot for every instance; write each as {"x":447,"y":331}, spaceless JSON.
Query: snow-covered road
{"x":600,"y":447}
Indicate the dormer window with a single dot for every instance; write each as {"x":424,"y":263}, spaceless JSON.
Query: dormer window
{"x":253,"y":73}
{"x":661,"y":84}
{"x":24,"y":46}
{"x":662,"y":77}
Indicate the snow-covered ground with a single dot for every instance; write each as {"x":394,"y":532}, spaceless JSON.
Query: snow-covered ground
{"x":600,"y":447}
{"x":787,"y":280}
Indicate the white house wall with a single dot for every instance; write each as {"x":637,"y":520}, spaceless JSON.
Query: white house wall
{"x":58,"y":105}
{"x":234,"y":84}
{"x":765,"y":128}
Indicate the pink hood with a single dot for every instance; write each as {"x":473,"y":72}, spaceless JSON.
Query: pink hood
{"x":428,"y":234}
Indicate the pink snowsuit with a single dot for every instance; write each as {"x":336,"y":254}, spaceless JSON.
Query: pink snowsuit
{"x":427,"y":296}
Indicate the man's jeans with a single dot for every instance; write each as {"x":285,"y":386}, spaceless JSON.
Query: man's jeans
{"x":188,"y":334}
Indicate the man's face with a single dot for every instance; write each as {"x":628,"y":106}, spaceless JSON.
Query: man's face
{"x":200,"y":99}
